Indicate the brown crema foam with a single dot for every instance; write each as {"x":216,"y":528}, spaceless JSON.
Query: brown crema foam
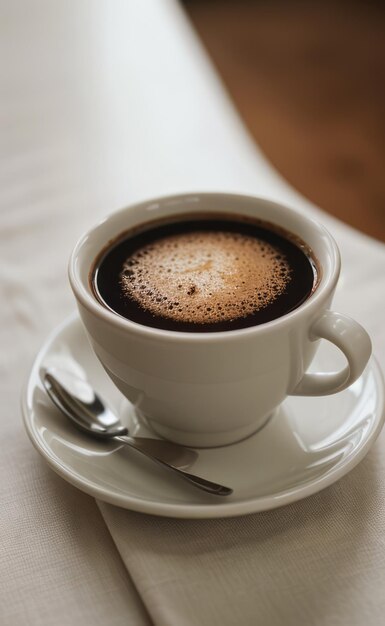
{"x":205,"y":277}
{"x":204,"y":273}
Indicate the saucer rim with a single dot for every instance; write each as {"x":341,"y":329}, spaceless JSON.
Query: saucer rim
{"x":217,"y":509}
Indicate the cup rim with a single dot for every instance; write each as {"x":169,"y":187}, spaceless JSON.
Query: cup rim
{"x":87,"y":300}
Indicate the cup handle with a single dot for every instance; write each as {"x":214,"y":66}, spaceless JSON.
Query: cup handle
{"x":352,"y":340}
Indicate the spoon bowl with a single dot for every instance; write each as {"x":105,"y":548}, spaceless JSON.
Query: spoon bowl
{"x":82,"y":405}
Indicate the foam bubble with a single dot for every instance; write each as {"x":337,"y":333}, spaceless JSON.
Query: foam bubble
{"x":205,"y":277}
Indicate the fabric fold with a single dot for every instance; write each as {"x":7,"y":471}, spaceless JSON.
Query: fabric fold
{"x":318,"y":561}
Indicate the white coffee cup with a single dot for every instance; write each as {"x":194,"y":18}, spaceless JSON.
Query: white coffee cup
{"x":210,"y":389}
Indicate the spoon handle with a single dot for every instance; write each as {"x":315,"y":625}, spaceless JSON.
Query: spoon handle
{"x":197,"y":481}
{"x":202,"y":483}
{"x":166,"y":451}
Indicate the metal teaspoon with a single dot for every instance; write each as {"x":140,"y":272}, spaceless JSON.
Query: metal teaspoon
{"x":78,"y":401}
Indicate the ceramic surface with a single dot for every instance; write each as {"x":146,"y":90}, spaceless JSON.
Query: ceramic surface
{"x":307,"y":445}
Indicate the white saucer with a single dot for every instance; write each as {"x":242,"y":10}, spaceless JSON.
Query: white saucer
{"x":307,"y":445}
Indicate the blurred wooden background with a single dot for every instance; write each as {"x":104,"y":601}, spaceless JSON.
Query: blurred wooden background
{"x":308,"y":79}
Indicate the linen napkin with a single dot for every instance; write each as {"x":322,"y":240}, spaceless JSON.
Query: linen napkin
{"x":320,"y":561}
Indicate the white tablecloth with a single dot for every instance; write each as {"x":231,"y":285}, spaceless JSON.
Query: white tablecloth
{"x":101,"y":104}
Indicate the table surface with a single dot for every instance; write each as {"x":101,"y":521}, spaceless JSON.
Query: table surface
{"x":103,"y":104}
{"x":305,"y":79}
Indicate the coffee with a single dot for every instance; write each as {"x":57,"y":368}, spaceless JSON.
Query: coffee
{"x":202,"y":273}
